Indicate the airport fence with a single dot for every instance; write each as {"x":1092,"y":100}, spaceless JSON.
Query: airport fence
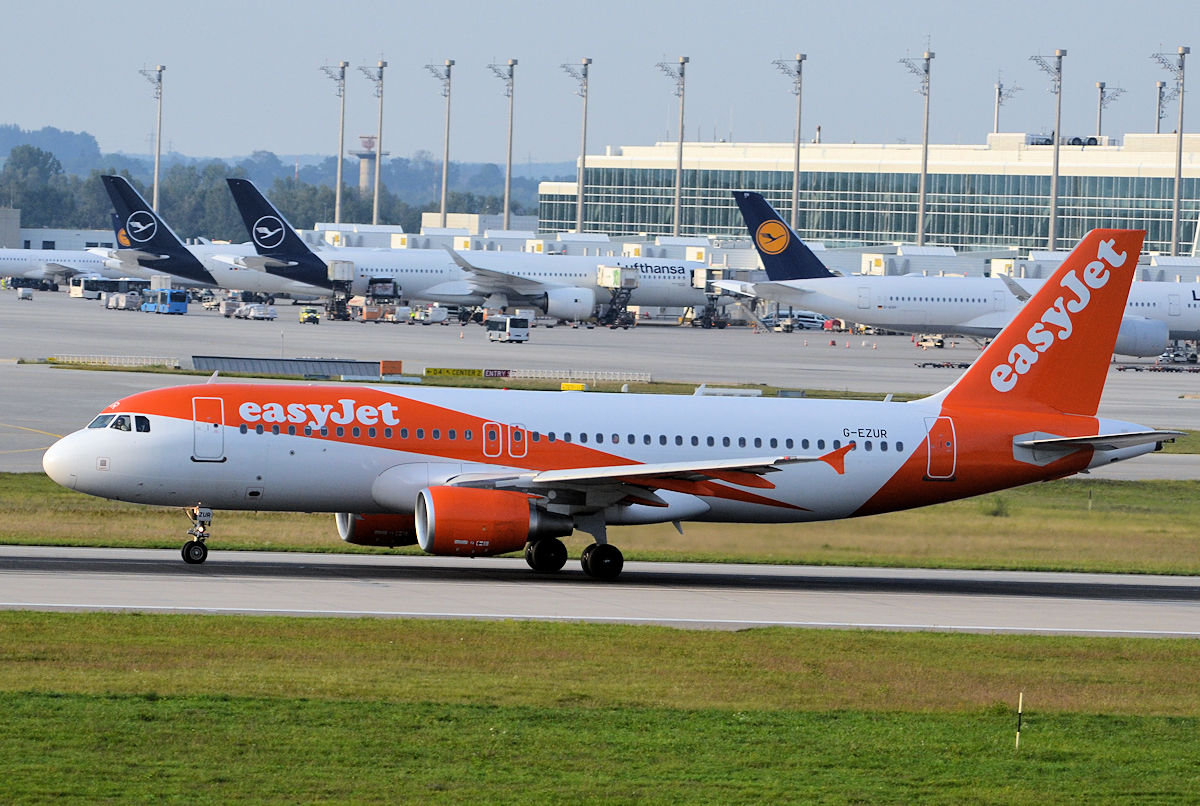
{"x":581,"y":375}
{"x":117,"y":360}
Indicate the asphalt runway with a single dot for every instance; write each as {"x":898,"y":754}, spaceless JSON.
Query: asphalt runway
{"x":38,"y":402}
{"x":697,"y":596}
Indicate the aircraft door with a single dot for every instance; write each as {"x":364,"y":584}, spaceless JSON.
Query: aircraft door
{"x":940,"y":443}
{"x":999,"y":300}
{"x":493,"y":440}
{"x":1173,"y":304}
{"x":208,"y":429}
{"x":864,"y":297}
{"x":517,"y":439}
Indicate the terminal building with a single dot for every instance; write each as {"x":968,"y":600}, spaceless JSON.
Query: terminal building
{"x":851,"y":194}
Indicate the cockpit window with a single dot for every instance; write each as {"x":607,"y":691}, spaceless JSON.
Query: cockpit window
{"x":142,"y":424}
{"x":101,"y":421}
{"x":121,"y":423}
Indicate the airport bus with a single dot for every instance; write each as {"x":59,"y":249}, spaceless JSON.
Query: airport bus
{"x":92,"y":287}
{"x":166,"y":300}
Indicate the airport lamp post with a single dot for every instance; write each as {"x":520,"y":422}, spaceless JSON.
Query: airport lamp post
{"x":1106,"y":95}
{"x":1055,"y":72}
{"x":1176,"y":68}
{"x":505,"y":73}
{"x":922,"y":72}
{"x":1002,"y":94}
{"x":580,"y":75}
{"x":796,"y":73}
{"x":338,"y":74}
{"x":376,"y":75}
{"x":677,"y":73}
{"x":442,"y":74}
{"x":155,"y":78}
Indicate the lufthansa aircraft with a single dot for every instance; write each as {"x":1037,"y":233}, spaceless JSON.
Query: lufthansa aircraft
{"x":480,"y":472}
{"x":969,"y":306}
{"x":562,"y":286}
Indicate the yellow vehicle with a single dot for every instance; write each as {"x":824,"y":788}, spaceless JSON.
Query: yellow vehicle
{"x":310,"y":315}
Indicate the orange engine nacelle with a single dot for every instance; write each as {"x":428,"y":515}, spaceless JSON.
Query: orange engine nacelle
{"x":376,"y":530}
{"x":479,"y":523}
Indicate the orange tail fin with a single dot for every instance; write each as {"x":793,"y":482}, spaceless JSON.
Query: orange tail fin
{"x":1056,"y":351}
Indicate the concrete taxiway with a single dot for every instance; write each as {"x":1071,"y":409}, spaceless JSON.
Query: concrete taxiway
{"x":672,"y":594}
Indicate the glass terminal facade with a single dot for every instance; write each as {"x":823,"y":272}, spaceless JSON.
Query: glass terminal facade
{"x":964,"y":210}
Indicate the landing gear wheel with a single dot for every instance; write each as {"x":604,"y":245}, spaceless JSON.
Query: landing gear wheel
{"x":546,"y":556}
{"x":602,"y":561}
{"x":194,"y":552}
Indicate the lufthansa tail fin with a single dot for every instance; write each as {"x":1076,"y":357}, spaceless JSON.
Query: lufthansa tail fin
{"x":140,"y":227}
{"x":784,"y":255}
{"x":1055,"y":353}
{"x":273,"y":237}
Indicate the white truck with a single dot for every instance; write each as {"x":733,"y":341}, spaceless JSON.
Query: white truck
{"x":507,"y":328}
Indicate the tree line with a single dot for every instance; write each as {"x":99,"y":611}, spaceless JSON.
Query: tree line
{"x":194,"y":198}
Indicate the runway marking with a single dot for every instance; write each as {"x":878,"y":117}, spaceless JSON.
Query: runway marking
{"x":829,"y":625}
{"x":32,"y":430}
{"x":23,"y":450}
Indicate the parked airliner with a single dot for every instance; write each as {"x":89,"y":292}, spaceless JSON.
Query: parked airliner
{"x":481,"y":472}
{"x":970,"y":306}
{"x":48,"y":264}
{"x":560,"y":285}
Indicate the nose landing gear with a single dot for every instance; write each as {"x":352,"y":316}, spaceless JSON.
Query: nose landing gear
{"x":195,"y":551}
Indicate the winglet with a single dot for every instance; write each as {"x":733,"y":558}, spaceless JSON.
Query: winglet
{"x":837,"y":459}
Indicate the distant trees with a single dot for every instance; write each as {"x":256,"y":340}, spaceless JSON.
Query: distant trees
{"x":195,"y":200}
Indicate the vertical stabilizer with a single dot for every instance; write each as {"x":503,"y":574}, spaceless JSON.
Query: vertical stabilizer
{"x":784,"y":255}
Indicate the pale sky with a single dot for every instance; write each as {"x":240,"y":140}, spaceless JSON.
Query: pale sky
{"x":244,"y":76}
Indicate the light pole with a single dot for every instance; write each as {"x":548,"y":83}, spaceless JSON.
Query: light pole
{"x":155,"y":78}
{"x":1055,"y":72}
{"x":1176,"y":68}
{"x":796,"y":73}
{"x":338,"y":74}
{"x":677,"y":73}
{"x":580,"y":75}
{"x":922,"y":71}
{"x":442,"y":74}
{"x":1106,"y":95}
{"x":376,"y":75}
{"x":504,"y":72}
{"x":1002,"y":94}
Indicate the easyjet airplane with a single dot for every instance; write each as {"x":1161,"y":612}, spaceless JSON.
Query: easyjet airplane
{"x":480,"y":472}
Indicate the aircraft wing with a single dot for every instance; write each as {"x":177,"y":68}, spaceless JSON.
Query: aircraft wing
{"x":1100,"y":442}
{"x":490,"y":281}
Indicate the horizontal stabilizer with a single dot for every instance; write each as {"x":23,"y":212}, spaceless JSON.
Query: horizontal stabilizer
{"x":1099,"y":442}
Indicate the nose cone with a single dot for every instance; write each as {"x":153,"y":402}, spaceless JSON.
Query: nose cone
{"x":60,"y":462}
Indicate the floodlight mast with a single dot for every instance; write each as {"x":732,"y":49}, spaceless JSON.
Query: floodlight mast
{"x":155,"y":78}
{"x":796,"y":73}
{"x":338,"y":74}
{"x":1175,"y":68}
{"x":580,"y":74}
{"x":1055,"y":72}
{"x":678,"y":75}
{"x":922,"y":71}
{"x":1003,"y":94}
{"x":504,"y":72}
{"x":442,"y":74}
{"x":375,"y":75}
{"x":1106,"y":95}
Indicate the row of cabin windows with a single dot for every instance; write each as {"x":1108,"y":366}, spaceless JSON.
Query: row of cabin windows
{"x":568,"y":436}
{"x":936,"y":299}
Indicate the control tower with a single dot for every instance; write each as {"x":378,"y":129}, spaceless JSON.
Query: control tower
{"x":366,"y":162}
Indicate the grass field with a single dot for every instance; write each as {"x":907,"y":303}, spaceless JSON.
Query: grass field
{"x":210,"y":709}
{"x":1074,"y":524}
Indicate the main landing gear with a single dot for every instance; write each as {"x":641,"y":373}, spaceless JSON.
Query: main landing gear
{"x":195,"y":551}
{"x":600,"y":560}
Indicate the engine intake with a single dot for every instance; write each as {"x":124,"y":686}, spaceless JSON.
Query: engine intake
{"x":469,"y":522}
{"x":1141,"y":337}
{"x":376,"y":530}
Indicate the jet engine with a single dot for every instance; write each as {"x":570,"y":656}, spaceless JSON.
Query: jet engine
{"x":1140,"y":336}
{"x":376,"y":530}
{"x":471,"y":522}
{"x":568,"y":303}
